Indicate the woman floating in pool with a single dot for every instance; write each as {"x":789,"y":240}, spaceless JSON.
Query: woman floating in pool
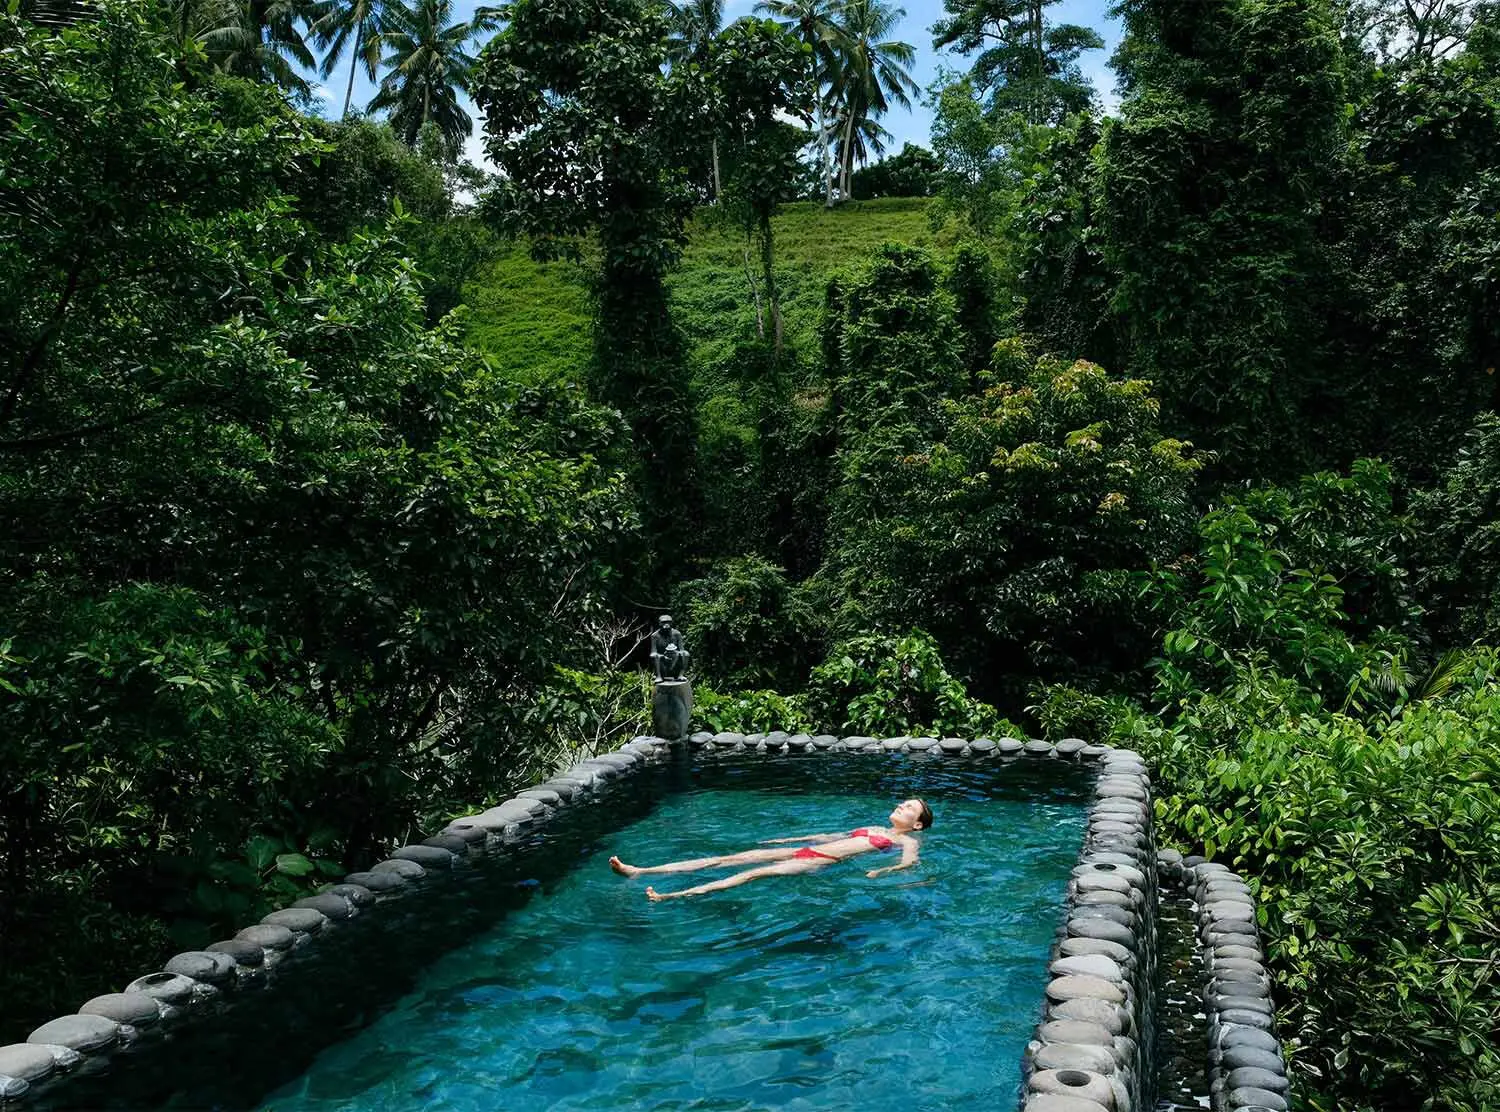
{"x":905,"y":820}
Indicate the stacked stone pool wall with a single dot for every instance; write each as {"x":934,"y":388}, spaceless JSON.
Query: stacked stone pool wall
{"x":1113,"y":886}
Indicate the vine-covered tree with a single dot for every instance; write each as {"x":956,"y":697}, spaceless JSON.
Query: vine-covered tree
{"x":593,"y":135}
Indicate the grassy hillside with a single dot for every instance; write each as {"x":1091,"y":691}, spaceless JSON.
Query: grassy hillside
{"x":534,"y":318}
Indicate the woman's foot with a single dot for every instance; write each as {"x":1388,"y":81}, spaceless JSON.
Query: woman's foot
{"x":654,"y":896}
{"x":623,"y":869}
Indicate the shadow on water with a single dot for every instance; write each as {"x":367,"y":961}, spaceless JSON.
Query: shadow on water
{"x":335,"y":987}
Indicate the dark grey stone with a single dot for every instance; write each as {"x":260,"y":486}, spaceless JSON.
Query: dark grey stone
{"x":171,"y":987}
{"x":429,"y":857}
{"x":1121,"y":915}
{"x":356,"y":894}
{"x":543,"y":795}
{"x":1005,"y":746}
{"x":328,"y":905}
{"x":1088,"y":965}
{"x":135,"y":1008}
{"x":1103,"y":928}
{"x":83,"y":1033}
{"x":1236,"y":1057}
{"x":893,"y":743}
{"x":1250,"y":1077}
{"x":799,"y":742}
{"x":922,"y":744}
{"x":1094,"y":752}
{"x":303,"y":919}
{"x":1076,"y":1031}
{"x":1091,"y":1088}
{"x":13,"y":1088}
{"x":1245,"y":1018}
{"x":1058,"y":1102}
{"x":26,"y":1061}
{"x":1111,"y":1017}
{"x":1038,"y":748}
{"x":450,"y":842}
{"x":824,"y":741}
{"x":515,"y":812}
{"x":1113,"y":950}
{"x":1092,"y":988}
{"x":953,"y":745}
{"x":1232,"y":1036}
{"x":472,"y":833}
{"x":624,"y":762}
{"x":1114,"y":899}
{"x":567,"y":788}
{"x":202,"y":965}
{"x":242,"y":950}
{"x":386,"y":880}
{"x":777,"y":739}
{"x":700,"y":738}
{"x":1258,"y":1099}
{"x":594,"y":766}
{"x":1070,"y":746}
{"x":729,"y":740}
{"x":1075,"y":1056}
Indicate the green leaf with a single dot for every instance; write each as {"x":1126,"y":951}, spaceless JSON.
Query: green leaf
{"x":293,"y":864}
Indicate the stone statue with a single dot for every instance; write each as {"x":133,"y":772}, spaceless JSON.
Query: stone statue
{"x":668,"y":650}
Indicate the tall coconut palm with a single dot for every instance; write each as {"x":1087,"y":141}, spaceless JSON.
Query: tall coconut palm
{"x":355,"y":26}
{"x":428,"y":66}
{"x":873,"y":72}
{"x":260,"y":39}
{"x":816,"y":23}
{"x":695,"y":25}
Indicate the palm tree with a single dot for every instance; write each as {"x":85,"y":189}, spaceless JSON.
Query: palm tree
{"x":873,"y":72}
{"x":259,"y":39}
{"x":695,"y":25}
{"x":817,"y":24}
{"x":428,"y":66}
{"x":353,"y":25}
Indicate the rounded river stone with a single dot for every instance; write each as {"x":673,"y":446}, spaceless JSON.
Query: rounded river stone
{"x":1098,"y":881}
{"x":303,"y":919}
{"x":1224,"y":1003}
{"x":473,"y":834}
{"x":357,"y":894}
{"x":77,"y":1032}
{"x":1231,"y":1036}
{"x":26,"y":1061}
{"x":1111,"y":1017}
{"x":1102,"y":928}
{"x":1125,"y":871}
{"x":1222,"y":964}
{"x":953,"y":745}
{"x":13,"y":1088}
{"x":1090,"y":988}
{"x":511,"y":812}
{"x":542,"y":795}
{"x":1073,"y":1083}
{"x":922,"y":744}
{"x":1252,"y":1077}
{"x":201,"y":965}
{"x":429,"y":857}
{"x":799,"y":742}
{"x":894,"y":742}
{"x":1073,"y":946}
{"x":1076,"y":1031}
{"x":387,"y":880}
{"x":824,"y":741}
{"x":450,"y":842}
{"x":989,"y":745}
{"x":1123,"y":916}
{"x":1037,"y":748}
{"x":242,"y":950}
{"x":1245,"y":1018}
{"x":135,"y":1008}
{"x":1075,"y":1056}
{"x":329,"y":905}
{"x":1257,"y":1098}
{"x":1087,"y":965}
{"x":595,"y":767}
{"x":620,"y":760}
{"x":171,"y":987}
{"x":1113,"y":899}
{"x":1068,"y":746}
{"x":1058,"y":1102}
{"x":1094,"y":752}
{"x":1236,"y":1057}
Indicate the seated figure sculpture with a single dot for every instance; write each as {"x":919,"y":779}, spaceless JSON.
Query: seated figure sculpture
{"x":668,"y":651}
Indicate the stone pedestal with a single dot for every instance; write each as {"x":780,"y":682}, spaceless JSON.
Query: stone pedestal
{"x":672,"y":709}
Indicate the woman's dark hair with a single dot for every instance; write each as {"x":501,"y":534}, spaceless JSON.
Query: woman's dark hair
{"x":926,"y":815}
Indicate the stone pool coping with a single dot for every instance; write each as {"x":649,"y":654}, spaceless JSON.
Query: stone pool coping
{"x":1090,"y":1053}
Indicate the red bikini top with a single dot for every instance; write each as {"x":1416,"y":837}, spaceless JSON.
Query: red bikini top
{"x":877,"y":841}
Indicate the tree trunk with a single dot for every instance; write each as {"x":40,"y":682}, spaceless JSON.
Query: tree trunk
{"x":848,"y":159}
{"x":768,"y":275}
{"x":823,"y":153}
{"x":760,"y":322}
{"x":717,"y":187}
{"x":353,"y":65}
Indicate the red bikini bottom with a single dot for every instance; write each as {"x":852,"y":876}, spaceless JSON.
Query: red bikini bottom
{"x":807,"y":853}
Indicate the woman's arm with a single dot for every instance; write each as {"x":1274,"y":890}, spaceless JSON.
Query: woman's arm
{"x":908,"y":859}
{"x":814,"y":839}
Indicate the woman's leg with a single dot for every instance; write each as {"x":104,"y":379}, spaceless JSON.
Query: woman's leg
{"x":749,"y":857}
{"x":781,"y":868}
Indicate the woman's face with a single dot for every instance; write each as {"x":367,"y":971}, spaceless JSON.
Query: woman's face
{"x":907,"y":814}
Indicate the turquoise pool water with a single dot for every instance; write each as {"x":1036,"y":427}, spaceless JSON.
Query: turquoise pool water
{"x":828,"y":991}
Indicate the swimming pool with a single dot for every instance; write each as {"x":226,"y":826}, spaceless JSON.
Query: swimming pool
{"x":540,"y":979}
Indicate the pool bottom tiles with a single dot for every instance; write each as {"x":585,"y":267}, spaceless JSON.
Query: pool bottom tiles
{"x":826,"y":991}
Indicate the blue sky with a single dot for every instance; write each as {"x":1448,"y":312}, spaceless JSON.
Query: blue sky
{"x":906,"y":126}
